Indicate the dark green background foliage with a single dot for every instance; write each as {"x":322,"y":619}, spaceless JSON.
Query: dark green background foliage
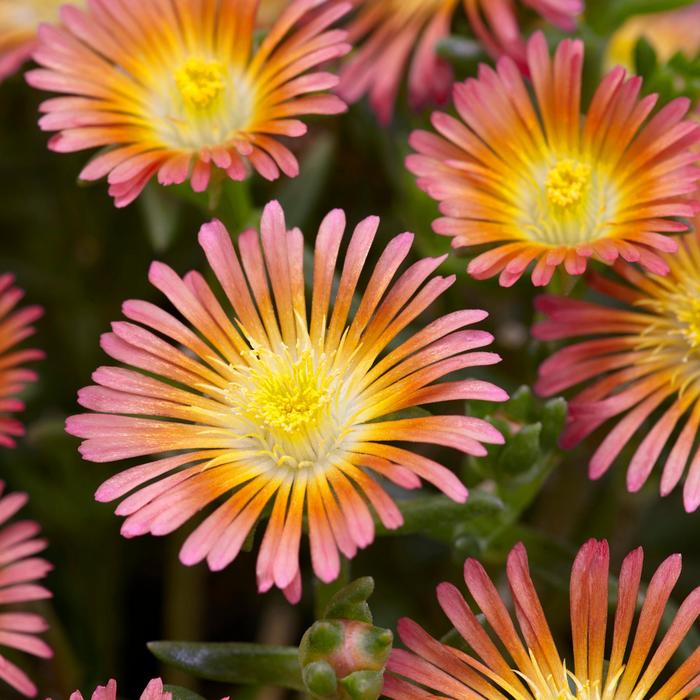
{"x":79,"y":257}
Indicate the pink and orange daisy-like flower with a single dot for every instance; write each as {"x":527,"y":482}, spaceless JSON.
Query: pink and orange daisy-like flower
{"x":272,"y":406}
{"x":543,"y":186}
{"x":19,"y":22}
{"x":19,"y":572}
{"x":523,"y":661}
{"x":15,"y":326}
{"x":388,"y":32}
{"x":153,"y":691}
{"x":637,"y":354}
{"x":179,"y":90}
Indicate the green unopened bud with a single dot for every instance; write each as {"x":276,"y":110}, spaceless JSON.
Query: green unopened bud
{"x":344,"y":659}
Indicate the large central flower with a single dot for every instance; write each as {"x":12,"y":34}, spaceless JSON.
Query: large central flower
{"x":541,"y":185}
{"x":180,"y":88}
{"x":276,"y":404}
{"x":632,"y":361}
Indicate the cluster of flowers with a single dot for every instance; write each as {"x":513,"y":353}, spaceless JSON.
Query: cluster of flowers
{"x":275,"y":403}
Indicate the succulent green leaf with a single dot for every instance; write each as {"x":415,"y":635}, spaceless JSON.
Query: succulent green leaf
{"x":247,"y":664}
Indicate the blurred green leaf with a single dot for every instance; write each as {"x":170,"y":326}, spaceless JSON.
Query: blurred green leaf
{"x":162,"y":214}
{"x":247,"y":664}
{"x":299,"y":196}
{"x":607,"y":15}
{"x":182,"y":693}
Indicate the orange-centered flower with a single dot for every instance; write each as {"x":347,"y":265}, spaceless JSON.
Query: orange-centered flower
{"x":388,"y":32}
{"x":178,"y":89}
{"x":539,"y":184}
{"x":15,"y":326}
{"x":273,"y":403}
{"x":19,"y":572}
{"x":637,"y":357}
{"x":519,"y":658}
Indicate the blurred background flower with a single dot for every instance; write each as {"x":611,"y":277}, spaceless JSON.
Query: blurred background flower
{"x":19,"y":22}
{"x":15,"y":326}
{"x":190,"y":96}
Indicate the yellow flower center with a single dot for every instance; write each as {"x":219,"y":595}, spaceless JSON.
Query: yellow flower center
{"x":292,"y":397}
{"x":567,"y":182}
{"x":689,"y":317}
{"x":200,"y":82}
{"x":291,"y":404}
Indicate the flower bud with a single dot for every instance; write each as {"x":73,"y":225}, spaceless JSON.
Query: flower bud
{"x":344,"y":659}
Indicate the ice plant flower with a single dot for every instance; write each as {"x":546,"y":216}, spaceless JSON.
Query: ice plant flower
{"x":19,"y":572}
{"x":153,"y":691}
{"x":634,"y":355}
{"x":668,"y":32}
{"x":541,"y":185}
{"x":19,"y":22}
{"x":523,"y":661}
{"x":391,"y":33}
{"x":179,"y":90}
{"x":15,"y":326}
{"x":262,"y":407}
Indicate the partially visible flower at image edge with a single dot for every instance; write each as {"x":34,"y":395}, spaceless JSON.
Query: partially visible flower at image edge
{"x":180,"y":91}
{"x":524,"y":662}
{"x":19,"y":22}
{"x":153,"y":691}
{"x":547,"y":187}
{"x":265,"y":408}
{"x":20,"y":570}
{"x":387,"y":32}
{"x":15,"y":326}
{"x":636,"y":353}
{"x":668,"y":32}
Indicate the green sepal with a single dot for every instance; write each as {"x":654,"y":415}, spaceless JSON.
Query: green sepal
{"x":350,"y":603}
{"x":363,"y":685}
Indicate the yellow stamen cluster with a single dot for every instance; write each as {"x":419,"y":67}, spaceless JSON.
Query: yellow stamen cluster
{"x":565,"y":687}
{"x":689,"y":316}
{"x":200,"y":82}
{"x":567,"y":183}
{"x":289,"y":394}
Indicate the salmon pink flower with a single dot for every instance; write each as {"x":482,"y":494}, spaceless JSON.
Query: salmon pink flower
{"x":548,"y":187}
{"x":388,"y":32}
{"x":177,"y":90}
{"x":637,"y":354}
{"x":15,"y":326}
{"x":523,"y":661}
{"x":19,"y":572}
{"x":260,"y":406}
